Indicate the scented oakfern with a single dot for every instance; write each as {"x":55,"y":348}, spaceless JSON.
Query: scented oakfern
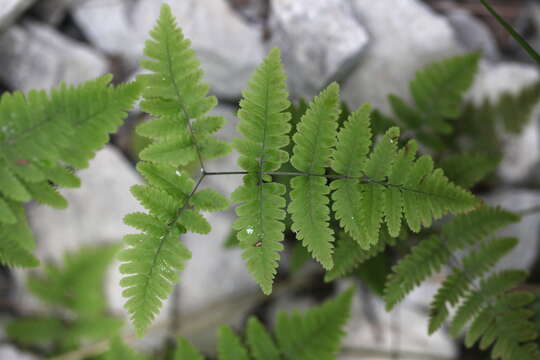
{"x":41,"y":135}
{"x":369,"y":183}
{"x":498,"y":314}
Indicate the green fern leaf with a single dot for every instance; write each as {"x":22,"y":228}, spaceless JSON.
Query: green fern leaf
{"x":186,"y":351}
{"x":40,"y":135}
{"x":438,"y":89}
{"x":434,"y":252}
{"x":182,"y":132}
{"x":77,"y":285}
{"x":230,"y":347}
{"x":350,"y":157}
{"x":493,"y":286}
{"x":317,"y":334}
{"x":261,"y":344}
{"x":456,"y":284}
{"x":264,"y":125}
{"x":314,"y":142}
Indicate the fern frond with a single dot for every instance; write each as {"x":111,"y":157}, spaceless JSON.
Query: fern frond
{"x":40,"y":135}
{"x":78,"y":283}
{"x":515,"y":109}
{"x":229,"y":346}
{"x":186,"y":351}
{"x":456,"y":284}
{"x":438,"y":89}
{"x":182,"y":133}
{"x":264,"y":123}
{"x":260,"y":342}
{"x":434,"y":252}
{"x":313,"y":145}
{"x":491,"y":287}
{"x":317,"y":334}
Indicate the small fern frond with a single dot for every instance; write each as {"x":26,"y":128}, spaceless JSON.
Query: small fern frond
{"x":317,"y":334}
{"x":458,"y":282}
{"x":493,"y":286}
{"x":264,"y":123}
{"x":182,"y":133}
{"x":313,"y":145}
{"x":77,"y":284}
{"x":434,"y":252}
{"x":40,"y":135}
{"x":186,"y":351}
{"x":438,"y":89}
{"x":260,"y":342}
{"x":497,"y":313}
{"x":229,"y":346}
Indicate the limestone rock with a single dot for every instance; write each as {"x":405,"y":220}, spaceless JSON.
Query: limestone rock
{"x":10,"y":10}
{"x":34,"y":56}
{"x":321,"y":41}
{"x":405,"y":36}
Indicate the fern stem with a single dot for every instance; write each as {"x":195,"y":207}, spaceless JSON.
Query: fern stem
{"x":361,"y":179}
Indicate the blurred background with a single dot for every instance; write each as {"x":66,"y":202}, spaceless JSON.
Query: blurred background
{"x":372,"y":48}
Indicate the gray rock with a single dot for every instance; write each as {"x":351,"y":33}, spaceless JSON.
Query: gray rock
{"x":10,"y":10}
{"x":321,"y":41}
{"x":472,"y":33}
{"x":405,"y":36}
{"x":228,"y":47}
{"x":521,"y":152}
{"x":10,"y":352}
{"x":34,"y":56}
{"x":527,"y":230}
{"x":374,"y":333}
{"x":52,"y":11}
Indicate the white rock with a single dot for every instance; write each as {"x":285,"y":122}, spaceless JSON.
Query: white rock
{"x":229,"y":49}
{"x":527,"y":231}
{"x":472,"y":33}
{"x":321,"y":41}
{"x":34,"y":56}
{"x":10,"y":10}
{"x":371,"y":329}
{"x":405,"y":36}
{"x":522,"y":152}
{"x":10,"y":352}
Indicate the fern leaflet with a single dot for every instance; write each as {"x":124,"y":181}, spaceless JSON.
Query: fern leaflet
{"x":182,"y":133}
{"x":264,"y":124}
{"x":314,"y":141}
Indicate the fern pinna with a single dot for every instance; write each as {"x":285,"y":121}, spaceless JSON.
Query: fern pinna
{"x":498,"y":313}
{"x":41,"y":135}
{"x":369,"y":184}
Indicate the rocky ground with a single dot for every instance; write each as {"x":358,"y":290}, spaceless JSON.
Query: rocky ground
{"x":371,"y":47}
